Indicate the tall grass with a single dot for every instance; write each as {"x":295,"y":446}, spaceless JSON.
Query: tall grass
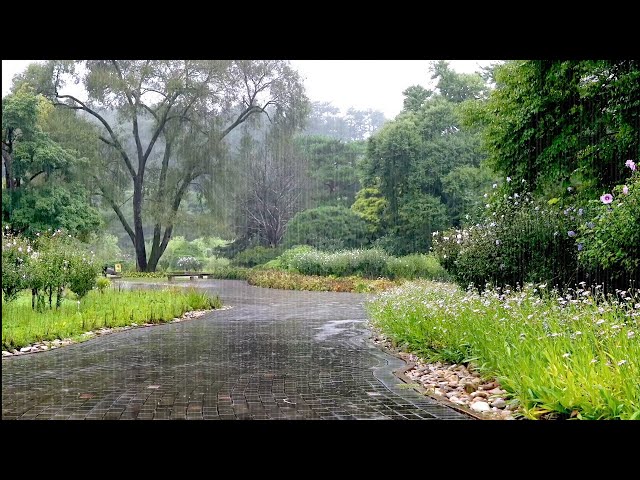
{"x":370,"y":263}
{"x":576,"y":353}
{"x":23,"y":326}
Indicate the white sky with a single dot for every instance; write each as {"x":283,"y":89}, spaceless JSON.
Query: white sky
{"x":362,"y":84}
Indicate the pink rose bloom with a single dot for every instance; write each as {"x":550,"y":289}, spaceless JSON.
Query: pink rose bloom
{"x":630,"y":164}
{"x":606,"y":198}
{"x":625,"y":190}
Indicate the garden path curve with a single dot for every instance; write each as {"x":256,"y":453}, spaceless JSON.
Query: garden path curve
{"x":274,"y":354}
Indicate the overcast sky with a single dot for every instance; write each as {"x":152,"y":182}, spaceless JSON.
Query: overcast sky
{"x":362,"y":84}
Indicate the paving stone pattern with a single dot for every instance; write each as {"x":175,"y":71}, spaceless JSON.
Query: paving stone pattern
{"x":274,"y":355}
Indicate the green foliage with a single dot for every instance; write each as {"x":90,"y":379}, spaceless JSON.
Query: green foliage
{"x":49,"y":265}
{"x":462,"y":189}
{"x":42,"y":182}
{"x":135,"y":274}
{"x":105,"y":248}
{"x":327,"y":228}
{"x":521,"y":240}
{"x":370,"y":205}
{"x":332,"y":168}
{"x":425,"y":165}
{"x":610,"y":241}
{"x":202,"y":249}
{"x":16,"y":255}
{"x":296,"y":281}
{"x":112,"y":308}
{"x":284,"y":261}
{"x":416,"y":266}
{"x":560,"y":123}
{"x":82,"y":275}
{"x":51,"y":206}
{"x":256,"y":256}
{"x":365,"y":263}
{"x":103,"y":284}
{"x":545,"y":347}
{"x":457,"y":87}
{"x":231,"y":273}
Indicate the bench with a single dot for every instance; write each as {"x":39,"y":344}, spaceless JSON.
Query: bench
{"x":191,"y":275}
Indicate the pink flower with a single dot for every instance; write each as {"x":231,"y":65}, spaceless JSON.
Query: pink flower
{"x":606,"y":198}
{"x":631,"y":164}
{"x":625,"y":190}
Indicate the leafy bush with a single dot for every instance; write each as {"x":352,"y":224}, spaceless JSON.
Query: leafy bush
{"x":416,"y":266}
{"x":47,"y":266}
{"x":327,"y":228}
{"x":609,"y":243}
{"x":521,"y":240}
{"x":16,"y":256}
{"x":365,"y":263}
{"x":103,"y":284}
{"x":82,"y":275}
{"x":284,"y":261}
{"x":256,"y":256}
{"x":231,"y":273}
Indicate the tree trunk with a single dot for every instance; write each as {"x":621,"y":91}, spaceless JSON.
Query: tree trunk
{"x":141,"y":251}
{"x":158,"y":251}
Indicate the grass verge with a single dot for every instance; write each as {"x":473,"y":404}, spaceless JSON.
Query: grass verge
{"x":23,"y":326}
{"x":575,"y":355}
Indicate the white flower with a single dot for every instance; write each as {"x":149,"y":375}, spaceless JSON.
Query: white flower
{"x":508,"y":179}
{"x":621,"y":362}
{"x":631,"y":334}
{"x":566,"y":355}
{"x":495,"y":185}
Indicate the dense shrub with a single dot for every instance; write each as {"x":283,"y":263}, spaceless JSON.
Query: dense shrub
{"x":327,"y":228}
{"x":284,"y":261}
{"x":82,"y":274}
{"x":230,"y":273}
{"x":47,"y":266}
{"x":256,"y":256}
{"x":365,"y":263}
{"x":416,"y":266}
{"x":521,"y":240}
{"x":16,"y":254}
{"x":609,"y":242}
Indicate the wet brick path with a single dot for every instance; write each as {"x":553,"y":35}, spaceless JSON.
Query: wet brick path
{"x":274,"y":355}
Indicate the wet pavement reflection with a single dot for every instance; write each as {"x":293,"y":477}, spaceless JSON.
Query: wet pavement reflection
{"x":274,"y":354}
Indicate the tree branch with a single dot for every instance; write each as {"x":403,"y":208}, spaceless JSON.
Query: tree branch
{"x":115,"y":142}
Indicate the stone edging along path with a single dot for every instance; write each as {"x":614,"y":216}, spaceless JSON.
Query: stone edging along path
{"x":57,"y":343}
{"x":453,"y":385}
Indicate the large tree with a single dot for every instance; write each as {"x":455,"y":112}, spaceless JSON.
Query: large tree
{"x":41,"y":182}
{"x":275,"y":178}
{"x":561,"y":123}
{"x":172,"y":118}
{"x":416,"y":160}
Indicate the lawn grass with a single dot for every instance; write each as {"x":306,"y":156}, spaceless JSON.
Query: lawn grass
{"x":564,"y":354}
{"x":23,"y":326}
